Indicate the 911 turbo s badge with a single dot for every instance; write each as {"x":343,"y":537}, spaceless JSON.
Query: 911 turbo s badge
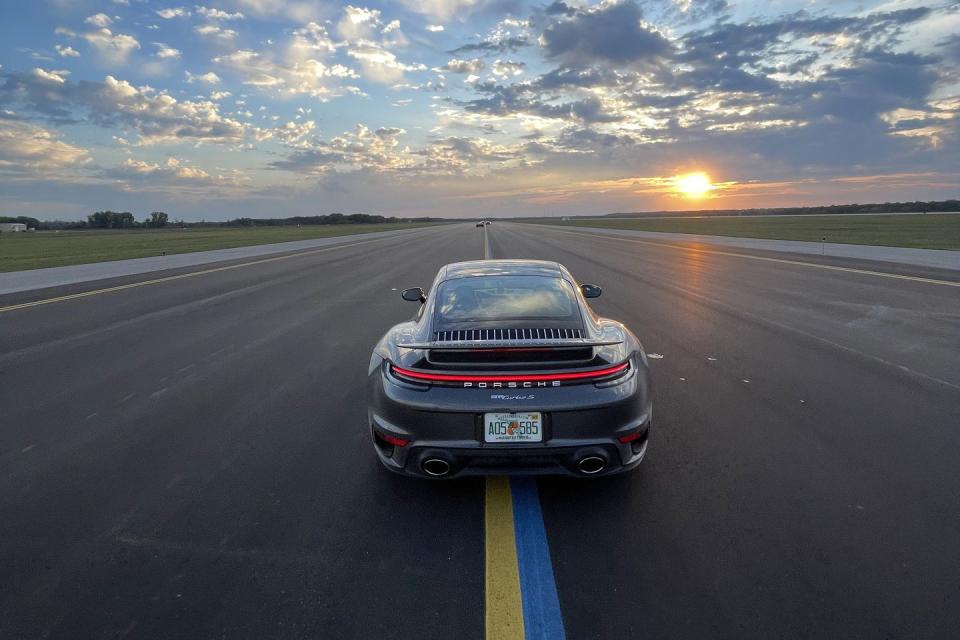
{"x":503,"y":396}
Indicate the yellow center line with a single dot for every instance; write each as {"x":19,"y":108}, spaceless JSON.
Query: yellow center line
{"x":192,"y":274}
{"x":829,"y":267}
{"x":503,"y":617}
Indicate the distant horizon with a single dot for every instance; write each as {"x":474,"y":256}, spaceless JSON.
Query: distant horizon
{"x":455,"y":108}
{"x":936,"y":207}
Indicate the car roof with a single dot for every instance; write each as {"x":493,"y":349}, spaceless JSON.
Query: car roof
{"x":502,"y":268}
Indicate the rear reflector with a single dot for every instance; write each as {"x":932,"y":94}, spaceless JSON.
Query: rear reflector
{"x":397,"y":442}
{"x":630,"y":437}
{"x":537,"y":377}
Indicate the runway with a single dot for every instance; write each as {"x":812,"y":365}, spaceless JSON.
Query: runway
{"x":188,"y":457}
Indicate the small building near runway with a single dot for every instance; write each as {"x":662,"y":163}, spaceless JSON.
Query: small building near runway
{"x":12,"y":227}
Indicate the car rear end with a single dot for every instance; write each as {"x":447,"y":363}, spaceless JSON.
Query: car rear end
{"x":522,"y":400}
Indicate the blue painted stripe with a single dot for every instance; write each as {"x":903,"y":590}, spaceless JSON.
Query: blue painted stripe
{"x":541,"y":607}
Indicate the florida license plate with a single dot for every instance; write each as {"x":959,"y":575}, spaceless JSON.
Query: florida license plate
{"x":513,"y":427}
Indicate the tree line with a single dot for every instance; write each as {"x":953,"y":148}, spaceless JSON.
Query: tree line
{"x":125,"y":220}
{"x":32,"y":223}
{"x":98,"y":220}
{"x":159,"y":219}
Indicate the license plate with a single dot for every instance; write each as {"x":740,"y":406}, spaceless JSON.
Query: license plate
{"x":513,"y":427}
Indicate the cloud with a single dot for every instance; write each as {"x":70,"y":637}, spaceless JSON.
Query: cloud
{"x":310,"y":41}
{"x":615,"y":68}
{"x":379,"y":64}
{"x":456,"y":65}
{"x":507,"y":35}
{"x":300,"y":11}
{"x":206,"y":78}
{"x":218,"y":14}
{"x":66,"y":52}
{"x":798,"y":48}
{"x":296,"y":73}
{"x":434,"y":28}
{"x":159,"y":117}
{"x":463,"y":155}
{"x":360,"y":149}
{"x":358,"y":23}
{"x":99,"y":20}
{"x":215,"y":31}
{"x":445,"y":9}
{"x":171,"y":168}
{"x":378,"y":151}
{"x":165,"y":52}
{"x":505,"y":68}
{"x":58,"y":77}
{"x":370,"y":41}
{"x":113,"y":47}
{"x":689,"y":11}
{"x":559,"y":8}
{"x":881,"y":82}
{"x":30,"y":150}
{"x":528,"y":100}
{"x":935,"y":125}
{"x":295,"y":134}
{"x":175,"y":172}
{"x":156,"y":117}
{"x":512,"y":43}
{"x":614,"y":32}
{"x":173,"y":12}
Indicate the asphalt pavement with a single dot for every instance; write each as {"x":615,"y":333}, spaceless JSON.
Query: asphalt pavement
{"x":188,"y":457}
{"x":933,"y":258}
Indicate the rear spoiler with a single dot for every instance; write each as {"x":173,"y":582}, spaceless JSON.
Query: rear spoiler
{"x":507,"y":344}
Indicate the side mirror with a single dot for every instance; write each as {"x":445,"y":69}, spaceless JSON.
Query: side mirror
{"x":591,"y":290}
{"x":414,"y":294}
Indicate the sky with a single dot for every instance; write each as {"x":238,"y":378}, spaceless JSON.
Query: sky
{"x":266,"y":108}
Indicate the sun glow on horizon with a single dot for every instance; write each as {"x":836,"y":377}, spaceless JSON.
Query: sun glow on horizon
{"x":693,"y":185}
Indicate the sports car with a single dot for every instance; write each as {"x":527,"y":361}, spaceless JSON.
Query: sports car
{"x":505,"y":369}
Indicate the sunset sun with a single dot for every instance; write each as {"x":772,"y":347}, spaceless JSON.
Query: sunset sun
{"x":692,"y":185}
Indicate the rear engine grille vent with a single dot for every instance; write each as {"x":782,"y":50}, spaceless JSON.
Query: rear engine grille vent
{"x":513,"y":355}
{"x":483,"y":335}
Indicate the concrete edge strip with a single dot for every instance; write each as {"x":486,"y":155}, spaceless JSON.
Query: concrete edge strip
{"x":192,"y":274}
{"x":33,"y":279}
{"x":747,"y":256}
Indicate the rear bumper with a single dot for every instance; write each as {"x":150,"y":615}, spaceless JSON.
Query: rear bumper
{"x":420,"y":460}
{"x":443,"y":424}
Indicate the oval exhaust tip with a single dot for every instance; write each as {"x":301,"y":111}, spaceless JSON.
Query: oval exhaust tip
{"x":590,"y":465}
{"x":435,"y":467}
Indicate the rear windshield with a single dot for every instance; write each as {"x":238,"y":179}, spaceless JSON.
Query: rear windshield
{"x":486,"y":298}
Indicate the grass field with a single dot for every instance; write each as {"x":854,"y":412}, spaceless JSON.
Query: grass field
{"x":917,"y":231}
{"x":37,"y":250}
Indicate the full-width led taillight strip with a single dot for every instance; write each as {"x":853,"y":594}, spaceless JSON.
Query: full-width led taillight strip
{"x":452,"y":377}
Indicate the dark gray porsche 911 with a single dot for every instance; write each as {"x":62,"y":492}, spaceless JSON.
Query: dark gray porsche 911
{"x":506,"y":369}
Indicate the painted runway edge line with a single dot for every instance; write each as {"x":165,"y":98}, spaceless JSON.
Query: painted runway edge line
{"x":503,"y":614}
